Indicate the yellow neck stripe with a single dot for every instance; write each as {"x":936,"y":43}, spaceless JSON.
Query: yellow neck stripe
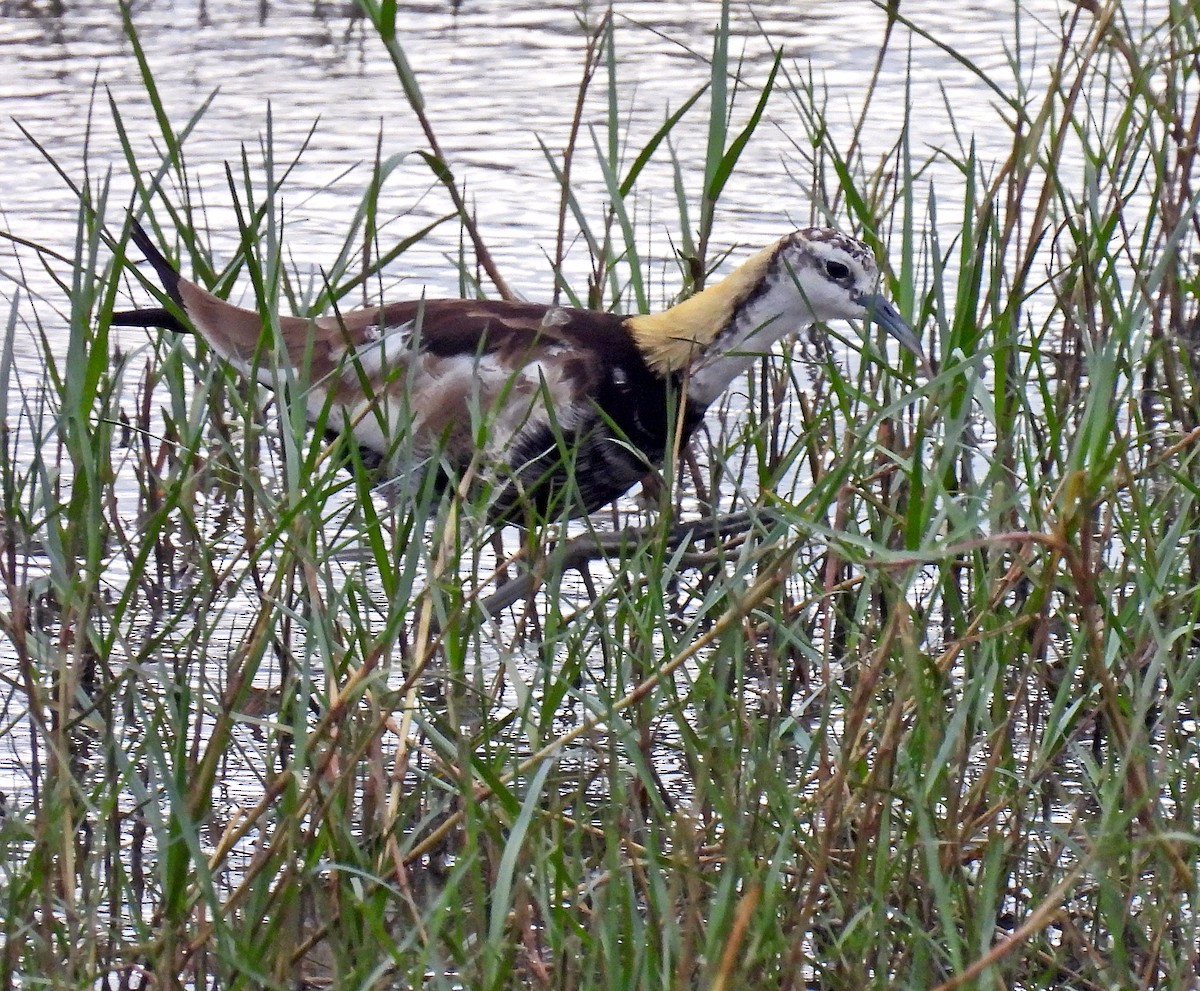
{"x":672,"y":339}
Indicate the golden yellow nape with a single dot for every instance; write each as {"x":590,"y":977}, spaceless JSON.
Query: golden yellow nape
{"x":672,"y":339}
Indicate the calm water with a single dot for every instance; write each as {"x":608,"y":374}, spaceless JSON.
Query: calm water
{"x":497,"y":76}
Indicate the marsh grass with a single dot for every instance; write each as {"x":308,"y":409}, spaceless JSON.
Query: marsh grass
{"x":921,"y":716}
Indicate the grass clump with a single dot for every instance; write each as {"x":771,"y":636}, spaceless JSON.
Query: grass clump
{"x":911,"y":707}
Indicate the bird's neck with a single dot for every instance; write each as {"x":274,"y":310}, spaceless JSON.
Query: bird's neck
{"x":707,"y":337}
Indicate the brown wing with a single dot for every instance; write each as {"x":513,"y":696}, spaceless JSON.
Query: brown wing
{"x":418,"y":378}
{"x":375,"y":335}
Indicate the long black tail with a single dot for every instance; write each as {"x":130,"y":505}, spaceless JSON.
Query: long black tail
{"x":156,"y":316}
{"x":150,"y":316}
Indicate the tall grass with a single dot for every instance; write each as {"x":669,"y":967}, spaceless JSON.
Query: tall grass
{"x":911,"y":706}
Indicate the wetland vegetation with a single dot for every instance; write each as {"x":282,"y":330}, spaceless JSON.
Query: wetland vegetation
{"x":894,"y":687}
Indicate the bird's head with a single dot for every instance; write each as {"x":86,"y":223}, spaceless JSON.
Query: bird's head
{"x":831,"y":276}
{"x":812,"y":275}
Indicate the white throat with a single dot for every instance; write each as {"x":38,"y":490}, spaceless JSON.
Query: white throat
{"x":755,"y":328}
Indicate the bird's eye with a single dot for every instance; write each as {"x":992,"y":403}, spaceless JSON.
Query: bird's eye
{"x":837,"y":271}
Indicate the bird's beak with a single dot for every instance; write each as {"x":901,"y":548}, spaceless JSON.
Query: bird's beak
{"x":883,"y":313}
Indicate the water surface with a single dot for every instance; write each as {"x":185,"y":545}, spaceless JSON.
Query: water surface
{"x":496,"y":78}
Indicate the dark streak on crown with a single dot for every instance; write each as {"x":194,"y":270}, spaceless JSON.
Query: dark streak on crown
{"x":852,"y":246}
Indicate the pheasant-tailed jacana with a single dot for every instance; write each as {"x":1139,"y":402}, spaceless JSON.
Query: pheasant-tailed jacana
{"x":579,"y":404}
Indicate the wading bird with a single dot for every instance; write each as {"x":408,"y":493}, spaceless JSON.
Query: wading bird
{"x":577,"y":405}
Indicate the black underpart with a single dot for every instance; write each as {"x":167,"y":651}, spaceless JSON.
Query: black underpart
{"x":585,"y":469}
{"x":573,"y":474}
